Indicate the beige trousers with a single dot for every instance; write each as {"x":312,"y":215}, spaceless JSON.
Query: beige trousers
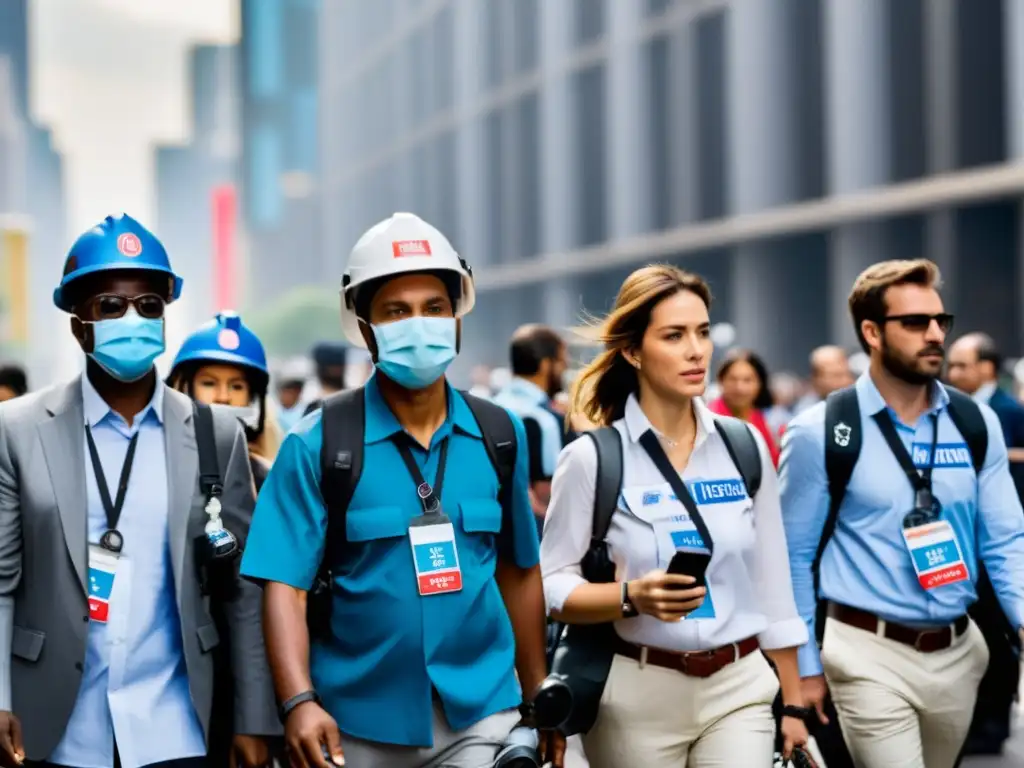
{"x":370,"y":754}
{"x":658,"y":718}
{"x":900,"y":708}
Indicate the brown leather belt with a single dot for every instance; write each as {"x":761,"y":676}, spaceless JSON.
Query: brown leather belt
{"x":691,"y":663}
{"x":923,"y":640}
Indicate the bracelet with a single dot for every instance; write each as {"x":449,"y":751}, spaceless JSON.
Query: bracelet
{"x":300,"y":698}
{"x":527,"y":714}
{"x":800,"y":713}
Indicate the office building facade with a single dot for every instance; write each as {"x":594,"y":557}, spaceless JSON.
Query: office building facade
{"x":280,"y":102}
{"x":31,"y":193}
{"x":189,"y":175}
{"x":776,"y":148}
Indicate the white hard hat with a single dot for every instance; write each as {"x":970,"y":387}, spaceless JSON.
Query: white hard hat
{"x":295,"y":369}
{"x":398,"y":245}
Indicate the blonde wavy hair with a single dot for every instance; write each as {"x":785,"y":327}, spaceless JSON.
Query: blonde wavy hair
{"x":600,"y":391}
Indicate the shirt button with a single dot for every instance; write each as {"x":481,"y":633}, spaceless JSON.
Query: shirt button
{"x":78,"y":666}
{"x":86,"y":618}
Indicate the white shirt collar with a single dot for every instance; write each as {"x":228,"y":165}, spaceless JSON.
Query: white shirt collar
{"x":637,"y":422}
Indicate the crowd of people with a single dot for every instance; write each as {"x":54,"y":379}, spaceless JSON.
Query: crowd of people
{"x":241,"y":562}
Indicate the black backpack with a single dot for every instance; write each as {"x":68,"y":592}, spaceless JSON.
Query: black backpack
{"x":843,"y":441}
{"x":341,"y":456}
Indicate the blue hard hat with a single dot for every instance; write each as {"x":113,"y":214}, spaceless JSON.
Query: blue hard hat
{"x":225,"y":339}
{"x":117,"y":242}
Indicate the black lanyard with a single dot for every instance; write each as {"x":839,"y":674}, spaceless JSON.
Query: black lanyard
{"x":112,"y":539}
{"x":430,"y":497}
{"x":652,"y":445}
{"x":921,"y":481}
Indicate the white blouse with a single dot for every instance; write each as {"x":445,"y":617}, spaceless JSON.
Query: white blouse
{"x":749,"y":588}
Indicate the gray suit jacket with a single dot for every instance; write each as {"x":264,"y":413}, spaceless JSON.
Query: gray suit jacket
{"x":44,"y":553}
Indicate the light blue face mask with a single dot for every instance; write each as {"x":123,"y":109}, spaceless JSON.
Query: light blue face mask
{"x":126,"y":347}
{"x":415,"y":352}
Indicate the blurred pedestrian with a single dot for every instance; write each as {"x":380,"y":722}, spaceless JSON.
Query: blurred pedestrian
{"x":743,"y":378}
{"x":13,"y":382}
{"x":290,"y":382}
{"x":329,"y":358}
{"x":830,"y":371}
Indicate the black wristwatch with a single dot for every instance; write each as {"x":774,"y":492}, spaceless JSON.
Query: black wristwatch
{"x":800,"y":713}
{"x":287,"y":707}
{"x":628,"y":608}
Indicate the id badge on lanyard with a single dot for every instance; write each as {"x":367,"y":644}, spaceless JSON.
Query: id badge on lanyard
{"x":936,"y":554}
{"x":102,"y":573}
{"x":105,"y":556}
{"x":680,"y":532}
{"x":931,"y":542}
{"x":435,"y":555}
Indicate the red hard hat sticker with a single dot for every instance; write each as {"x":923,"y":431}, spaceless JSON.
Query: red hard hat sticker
{"x":228,"y":339}
{"x":129,"y":244}
{"x":410,"y":248}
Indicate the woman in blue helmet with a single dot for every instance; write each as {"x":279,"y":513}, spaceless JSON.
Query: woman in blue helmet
{"x":223,"y":363}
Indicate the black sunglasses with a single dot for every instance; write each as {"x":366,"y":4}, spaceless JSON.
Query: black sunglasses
{"x":110,"y":306}
{"x":922,"y":322}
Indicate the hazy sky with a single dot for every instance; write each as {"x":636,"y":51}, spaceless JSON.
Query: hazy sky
{"x":109,"y":78}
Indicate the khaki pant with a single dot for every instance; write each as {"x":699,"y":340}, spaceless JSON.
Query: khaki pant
{"x":900,"y":708}
{"x":370,"y":754}
{"x":658,"y":718}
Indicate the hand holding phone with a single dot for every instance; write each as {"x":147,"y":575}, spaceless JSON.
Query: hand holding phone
{"x":665,"y":596}
{"x":690,"y":563}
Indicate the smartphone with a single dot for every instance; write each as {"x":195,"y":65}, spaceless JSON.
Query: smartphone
{"x":689,"y":563}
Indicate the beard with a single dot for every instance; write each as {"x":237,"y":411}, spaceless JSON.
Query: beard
{"x":910,"y":368}
{"x":555,"y":386}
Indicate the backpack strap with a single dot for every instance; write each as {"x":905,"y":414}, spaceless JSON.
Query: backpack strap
{"x":742,"y":447}
{"x":210,"y":480}
{"x":843,"y":440}
{"x":343,"y":423}
{"x":608,"y":481}
{"x":969,"y":421}
{"x":499,"y":433}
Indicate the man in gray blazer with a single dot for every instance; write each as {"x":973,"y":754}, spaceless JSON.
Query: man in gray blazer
{"x":110,"y":578}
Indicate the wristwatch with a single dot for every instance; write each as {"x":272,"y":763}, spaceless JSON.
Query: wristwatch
{"x":628,"y":608}
{"x":800,"y":713}
{"x":288,"y":706}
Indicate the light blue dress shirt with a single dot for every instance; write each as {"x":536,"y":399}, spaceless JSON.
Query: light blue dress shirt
{"x":866,"y":564}
{"x":390,"y":647}
{"x":134,"y":684}
{"x":527,"y":401}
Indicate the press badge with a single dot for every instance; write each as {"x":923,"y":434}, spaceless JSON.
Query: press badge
{"x":936,"y":554}
{"x":435,"y":556}
{"x":102,"y":572}
{"x":678,"y":532}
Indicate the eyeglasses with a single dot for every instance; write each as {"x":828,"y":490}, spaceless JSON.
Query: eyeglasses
{"x":110,"y":306}
{"x":922,"y":322}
